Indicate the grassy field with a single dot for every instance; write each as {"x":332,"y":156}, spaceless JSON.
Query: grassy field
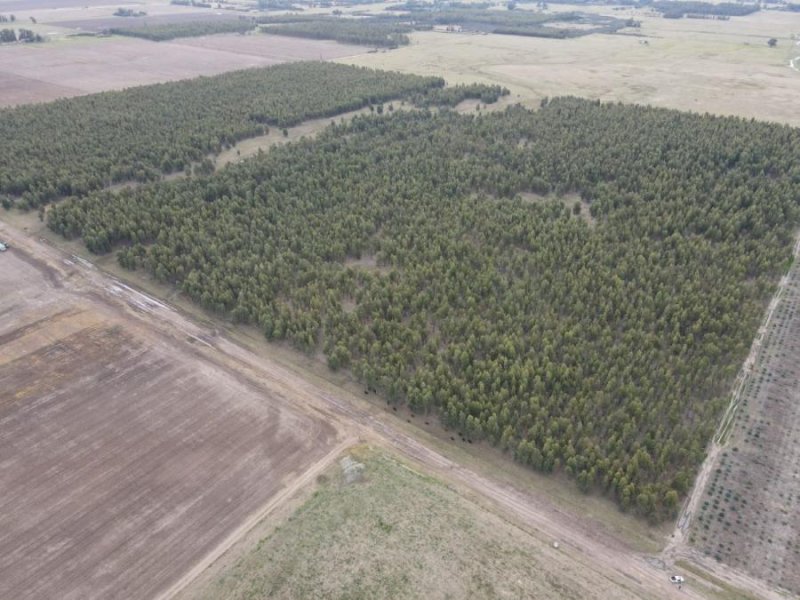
{"x":722,"y":67}
{"x":399,"y":534}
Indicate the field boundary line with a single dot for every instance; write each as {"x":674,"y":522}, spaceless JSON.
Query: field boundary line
{"x":273,"y":503}
{"x":746,"y":372}
{"x":726,"y":423}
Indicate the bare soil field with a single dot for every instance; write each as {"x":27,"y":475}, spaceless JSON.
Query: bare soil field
{"x":276,"y":48}
{"x":50,"y":11}
{"x":28,"y":5}
{"x":18,"y":89}
{"x":84,"y":66}
{"x":723,"y":67}
{"x":127,"y":457}
{"x":749,"y":513}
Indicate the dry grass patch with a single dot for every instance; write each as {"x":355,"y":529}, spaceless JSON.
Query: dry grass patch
{"x":722,"y":67}
{"x":716,"y":588}
{"x":367,"y":262}
{"x":396,"y":533}
{"x":577,"y":205}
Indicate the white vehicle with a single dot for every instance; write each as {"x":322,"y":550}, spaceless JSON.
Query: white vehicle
{"x":3,"y":247}
{"x":676,"y":579}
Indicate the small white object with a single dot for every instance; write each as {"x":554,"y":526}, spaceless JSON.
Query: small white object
{"x":676,"y":578}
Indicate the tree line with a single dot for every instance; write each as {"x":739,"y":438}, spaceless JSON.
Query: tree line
{"x":159,"y":32}
{"x":390,"y":30}
{"x":508,"y":22}
{"x":668,"y":8}
{"x":364,"y":32}
{"x":675,"y":9}
{"x":576,"y":285}
{"x":70,"y":147}
{"x":8,"y":35}
{"x":194,"y":3}
{"x":129,"y":12}
{"x":455,"y":94}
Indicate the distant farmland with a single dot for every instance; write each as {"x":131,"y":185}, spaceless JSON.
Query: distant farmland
{"x":73,"y":69}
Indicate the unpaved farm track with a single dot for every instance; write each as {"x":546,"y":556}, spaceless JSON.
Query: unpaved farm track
{"x":592,"y":549}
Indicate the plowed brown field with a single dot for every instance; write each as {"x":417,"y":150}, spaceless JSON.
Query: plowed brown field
{"x":125,"y":458}
{"x":42,"y":72}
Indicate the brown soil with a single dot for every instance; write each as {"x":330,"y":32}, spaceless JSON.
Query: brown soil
{"x":127,"y":457}
{"x":42,"y":72}
{"x":18,"y":89}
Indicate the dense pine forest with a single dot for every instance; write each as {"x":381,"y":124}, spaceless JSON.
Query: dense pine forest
{"x":511,"y":22}
{"x":346,"y":31}
{"x":676,"y":9}
{"x":454,"y":94}
{"x":390,"y":29}
{"x":576,"y":285}
{"x":159,"y":32}
{"x":72,"y":146}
